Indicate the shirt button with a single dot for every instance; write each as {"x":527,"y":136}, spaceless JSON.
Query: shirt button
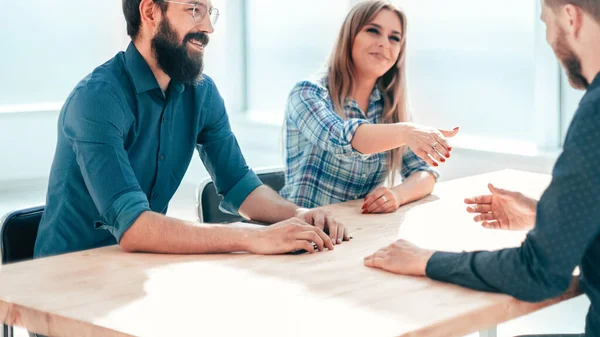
{"x":162,"y":157}
{"x":154,"y":196}
{"x":164,"y":119}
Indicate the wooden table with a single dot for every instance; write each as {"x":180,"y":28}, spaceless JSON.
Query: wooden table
{"x":105,"y":292}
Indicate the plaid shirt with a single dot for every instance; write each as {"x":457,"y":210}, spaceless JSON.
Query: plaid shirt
{"x":322,"y":167}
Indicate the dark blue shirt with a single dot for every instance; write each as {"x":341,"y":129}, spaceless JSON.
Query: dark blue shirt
{"x":566,"y":232}
{"x":123,"y":148}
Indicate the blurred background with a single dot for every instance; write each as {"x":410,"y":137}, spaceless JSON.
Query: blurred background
{"x":482,"y":65}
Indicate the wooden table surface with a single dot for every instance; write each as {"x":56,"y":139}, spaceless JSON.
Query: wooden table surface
{"x":105,"y":292}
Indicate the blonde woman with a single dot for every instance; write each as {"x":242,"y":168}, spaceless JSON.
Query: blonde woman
{"x":349,"y":130}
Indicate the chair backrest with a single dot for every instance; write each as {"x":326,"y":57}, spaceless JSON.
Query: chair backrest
{"x":207,"y":200}
{"x":18,"y":234}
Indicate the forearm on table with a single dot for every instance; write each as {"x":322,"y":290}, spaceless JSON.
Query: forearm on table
{"x":417,"y":186}
{"x":155,"y":233}
{"x":266,"y":205}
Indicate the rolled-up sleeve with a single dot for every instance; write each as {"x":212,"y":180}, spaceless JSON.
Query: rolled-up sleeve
{"x":94,"y":122}
{"x":310,"y":110}
{"x":222,"y":156}
{"x":411,"y":163}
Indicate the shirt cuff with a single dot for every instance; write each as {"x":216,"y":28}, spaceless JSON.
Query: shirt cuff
{"x":239,"y":192}
{"x":441,"y":266}
{"x":347,"y":151}
{"x":123,"y":213}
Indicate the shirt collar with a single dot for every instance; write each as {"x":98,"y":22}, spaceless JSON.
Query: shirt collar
{"x":594,"y":85}
{"x":375,"y":97}
{"x":141,"y":74}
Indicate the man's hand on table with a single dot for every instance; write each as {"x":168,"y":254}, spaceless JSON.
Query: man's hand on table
{"x":401,"y":257}
{"x":326,"y":222}
{"x":287,"y":236}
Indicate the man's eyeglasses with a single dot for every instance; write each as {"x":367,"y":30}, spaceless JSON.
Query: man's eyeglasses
{"x":199,"y":11}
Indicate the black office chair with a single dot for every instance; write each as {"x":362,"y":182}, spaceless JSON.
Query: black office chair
{"x":18,"y":233}
{"x":207,"y":199}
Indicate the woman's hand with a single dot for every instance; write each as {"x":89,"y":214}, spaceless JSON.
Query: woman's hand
{"x":429,"y":144}
{"x":381,"y":200}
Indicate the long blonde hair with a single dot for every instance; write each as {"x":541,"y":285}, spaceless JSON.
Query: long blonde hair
{"x":341,"y":72}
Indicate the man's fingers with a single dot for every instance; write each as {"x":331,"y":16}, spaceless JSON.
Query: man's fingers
{"x":491,"y":225}
{"x":300,"y":222}
{"x":497,"y":190}
{"x":310,"y":237}
{"x":376,"y":259}
{"x":480,"y":208}
{"x":319,"y":220}
{"x":326,"y":239}
{"x":303,"y":244}
{"x":380,"y":253}
{"x":346,"y":234}
{"x":480,"y":199}
{"x":376,"y":262}
{"x":340,"y":233}
{"x":485,"y":217}
{"x":332,"y":228}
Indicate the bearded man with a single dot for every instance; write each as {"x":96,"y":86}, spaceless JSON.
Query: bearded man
{"x":126,"y":135}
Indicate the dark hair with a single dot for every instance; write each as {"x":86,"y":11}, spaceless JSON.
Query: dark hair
{"x":131,"y":11}
{"x":591,"y":7}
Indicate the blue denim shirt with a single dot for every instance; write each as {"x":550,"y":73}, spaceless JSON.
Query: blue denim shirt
{"x":123,"y":148}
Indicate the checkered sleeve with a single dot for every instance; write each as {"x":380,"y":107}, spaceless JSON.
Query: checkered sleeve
{"x":310,"y":110}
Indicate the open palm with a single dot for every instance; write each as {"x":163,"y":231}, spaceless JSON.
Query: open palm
{"x":503,"y":209}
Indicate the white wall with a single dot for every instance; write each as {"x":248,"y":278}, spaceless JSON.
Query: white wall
{"x":50,"y":46}
{"x":67,"y":41}
{"x":27,"y":141}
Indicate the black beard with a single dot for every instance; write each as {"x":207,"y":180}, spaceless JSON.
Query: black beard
{"x":571,"y":63}
{"x":175,"y":59}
